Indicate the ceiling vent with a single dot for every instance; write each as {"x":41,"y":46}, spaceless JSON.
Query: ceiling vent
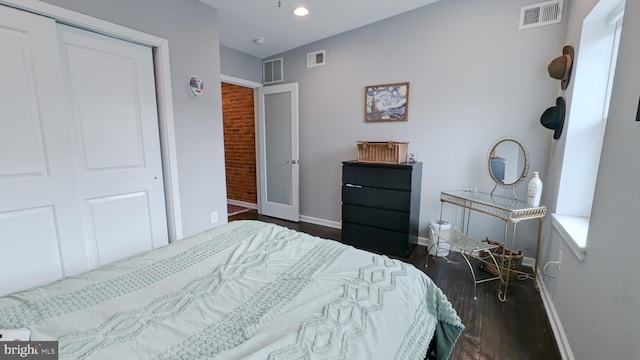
{"x":545,"y":13}
{"x":272,"y":71}
{"x":316,"y":58}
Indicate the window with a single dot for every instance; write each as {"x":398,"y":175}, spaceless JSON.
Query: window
{"x":594,"y":71}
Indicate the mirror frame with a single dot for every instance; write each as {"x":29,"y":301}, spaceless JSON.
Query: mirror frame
{"x":525,"y":170}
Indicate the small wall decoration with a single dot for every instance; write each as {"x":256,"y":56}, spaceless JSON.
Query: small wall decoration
{"x":196,"y":85}
{"x":387,"y":102}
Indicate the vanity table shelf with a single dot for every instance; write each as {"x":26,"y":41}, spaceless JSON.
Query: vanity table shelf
{"x":462,"y":242}
{"x":510,"y":210}
{"x":467,"y":247}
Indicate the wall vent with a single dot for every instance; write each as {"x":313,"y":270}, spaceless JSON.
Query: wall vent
{"x":272,"y":71}
{"x":545,"y":13}
{"x":316,"y":58}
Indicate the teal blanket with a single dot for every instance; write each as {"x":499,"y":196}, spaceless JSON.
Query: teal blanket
{"x":245,"y":290}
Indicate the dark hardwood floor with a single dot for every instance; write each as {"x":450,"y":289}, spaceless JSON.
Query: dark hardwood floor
{"x":516,"y":329}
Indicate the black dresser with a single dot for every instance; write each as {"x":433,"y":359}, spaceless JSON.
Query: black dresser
{"x":381,"y":206}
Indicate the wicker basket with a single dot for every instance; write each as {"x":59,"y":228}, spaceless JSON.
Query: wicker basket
{"x":490,"y":267}
{"x":389,"y":152}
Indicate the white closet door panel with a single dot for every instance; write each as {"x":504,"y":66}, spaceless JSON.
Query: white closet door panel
{"x":120,"y":234}
{"x":33,"y":241}
{"x":112,"y":89}
{"x":37,"y":167}
{"x":109,"y":114}
{"x":20,"y":130}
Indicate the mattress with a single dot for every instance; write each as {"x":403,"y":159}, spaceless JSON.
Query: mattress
{"x":244,"y":290}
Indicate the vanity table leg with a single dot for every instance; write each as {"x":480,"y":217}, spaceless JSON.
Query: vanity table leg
{"x":535,"y":261}
{"x":504,"y":251}
{"x":502,"y":296}
{"x":466,"y":219}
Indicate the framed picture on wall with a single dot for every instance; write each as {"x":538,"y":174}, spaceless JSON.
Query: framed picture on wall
{"x":387,"y":102}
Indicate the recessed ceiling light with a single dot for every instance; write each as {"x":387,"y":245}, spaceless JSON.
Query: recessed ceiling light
{"x":301,"y":11}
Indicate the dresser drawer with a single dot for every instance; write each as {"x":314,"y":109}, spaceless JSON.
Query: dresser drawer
{"x":377,"y":240}
{"x":374,"y":197}
{"x":380,"y":218}
{"x":397,"y":178}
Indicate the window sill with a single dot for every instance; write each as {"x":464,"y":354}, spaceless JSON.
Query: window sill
{"x":573,"y":230}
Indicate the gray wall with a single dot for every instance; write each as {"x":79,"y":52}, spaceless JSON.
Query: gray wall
{"x":474,"y":77}
{"x":598,"y":299}
{"x":192,"y":31}
{"x":240,"y":65}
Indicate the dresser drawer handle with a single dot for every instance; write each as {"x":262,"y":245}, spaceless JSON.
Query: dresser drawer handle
{"x":353,"y":186}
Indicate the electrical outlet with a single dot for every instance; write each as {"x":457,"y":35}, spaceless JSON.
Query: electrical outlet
{"x":559,"y":259}
{"x":214,"y":217}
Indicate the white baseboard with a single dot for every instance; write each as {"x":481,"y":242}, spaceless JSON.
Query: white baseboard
{"x":424,"y":241}
{"x":242,"y":203}
{"x":323,"y":222}
{"x":554,"y":320}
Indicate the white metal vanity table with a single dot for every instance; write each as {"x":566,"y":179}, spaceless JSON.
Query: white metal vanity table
{"x":508,"y":166}
{"x":510,"y":210}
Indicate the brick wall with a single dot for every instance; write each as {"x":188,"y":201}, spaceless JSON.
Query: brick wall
{"x":239,"y":142}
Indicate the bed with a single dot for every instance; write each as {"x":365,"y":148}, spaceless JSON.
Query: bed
{"x":244,"y":290}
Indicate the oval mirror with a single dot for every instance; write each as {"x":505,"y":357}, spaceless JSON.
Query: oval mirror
{"x":508,"y":162}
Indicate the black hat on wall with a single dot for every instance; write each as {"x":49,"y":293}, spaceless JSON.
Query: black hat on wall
{"x":553,"y":118}
{"x":560,"y":67}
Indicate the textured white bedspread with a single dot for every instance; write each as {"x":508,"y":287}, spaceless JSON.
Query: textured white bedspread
{"x":245,"y":290}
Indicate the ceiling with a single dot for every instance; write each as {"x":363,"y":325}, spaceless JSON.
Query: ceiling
{"x":242,"y":21}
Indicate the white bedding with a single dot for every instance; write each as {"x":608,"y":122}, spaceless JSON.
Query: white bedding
{"x":245,"y":290}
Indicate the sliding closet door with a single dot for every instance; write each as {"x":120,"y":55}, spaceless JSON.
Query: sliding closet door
{"x":80,"y":164}
{"x":111,"y":87}
{"x":40,"y":221}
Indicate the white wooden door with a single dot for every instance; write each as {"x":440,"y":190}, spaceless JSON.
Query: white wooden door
{"x":111,"y":87}
{"x":278,"y":164}
{"x":40,"y":220}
